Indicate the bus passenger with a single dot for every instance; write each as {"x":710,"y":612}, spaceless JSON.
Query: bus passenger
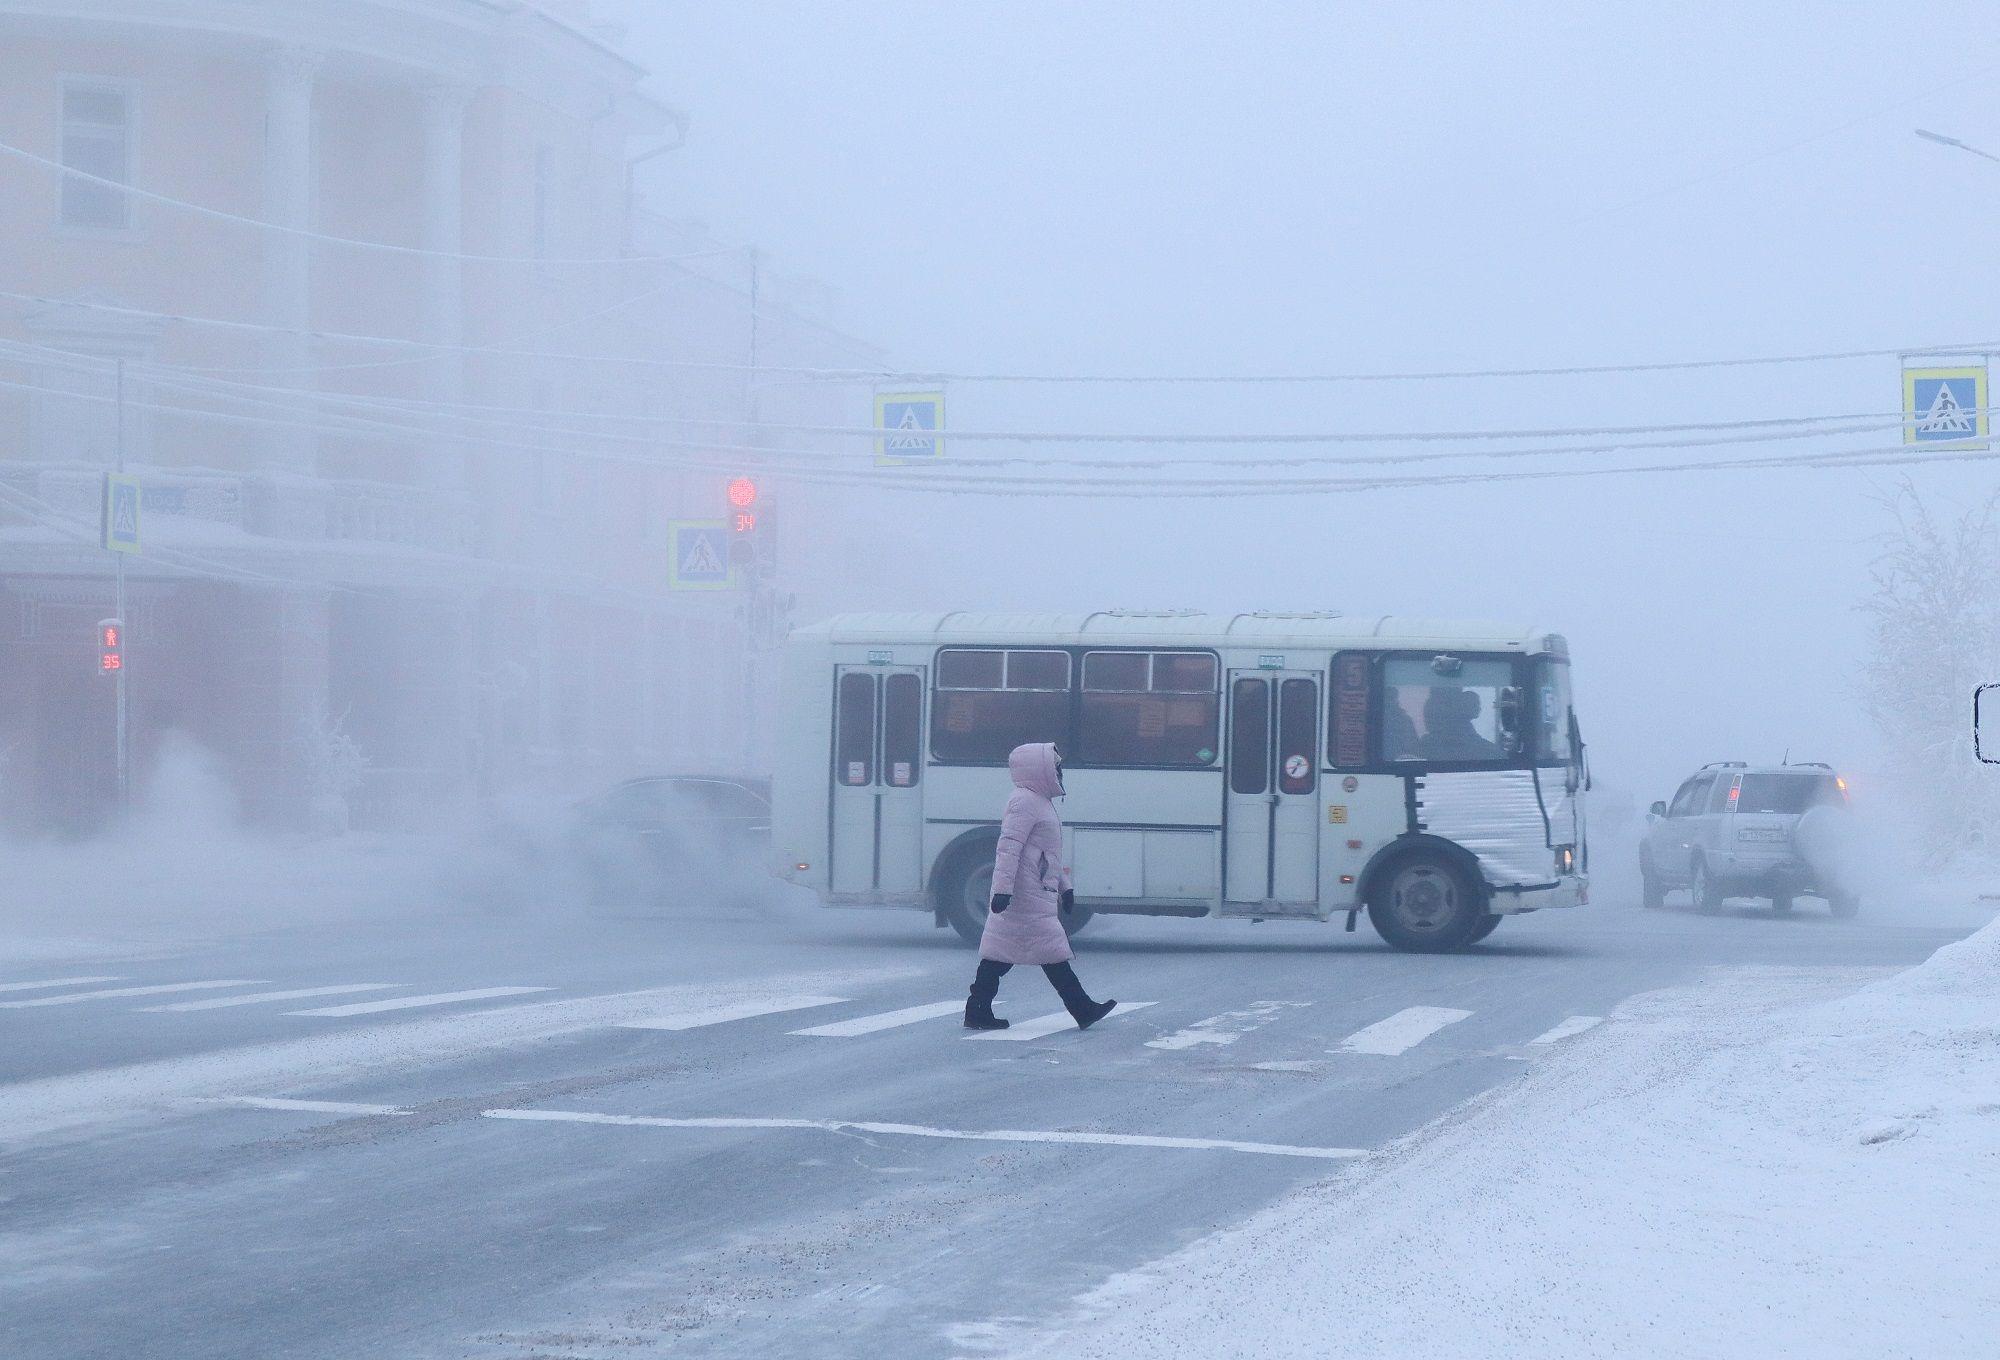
{"x":1029,"y":881}
{"x":1448,"y":730}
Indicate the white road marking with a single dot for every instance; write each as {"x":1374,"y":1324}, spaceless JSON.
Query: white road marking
{"x":870,"y":1024}
{"x":53,"y":982}
{"x":1226,"y":1028}
{"x":742,"y":1010}
{"x":70,"y":997}
{"x":309,"y":1106}
{"x":1576,"y":1024}
{"x":403,"y":1003}
{"x":1048,"y":1024}
{"x":1402,"y":1031}
{"x":1061,"y":1136}
{"x":296,"y":994}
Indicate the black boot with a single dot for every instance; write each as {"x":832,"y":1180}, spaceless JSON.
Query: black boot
{"x":1075,"y":1000}
{"x":979,"y":1015}
{"x":985,"y":986}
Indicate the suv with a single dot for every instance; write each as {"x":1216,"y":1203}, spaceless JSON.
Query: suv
{"x":1733,"y":830}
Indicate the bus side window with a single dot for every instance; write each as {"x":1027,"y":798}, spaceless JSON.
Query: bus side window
{"x":989,"y":700}
{"x":854,"y":730}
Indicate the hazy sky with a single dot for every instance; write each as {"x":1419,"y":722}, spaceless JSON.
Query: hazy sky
{"x":1170,"y":187}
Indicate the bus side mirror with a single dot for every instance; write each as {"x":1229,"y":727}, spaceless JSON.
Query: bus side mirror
{"x":1507,"y":709}
{"x":1658,"y":809}
{"x":1986,"y":723}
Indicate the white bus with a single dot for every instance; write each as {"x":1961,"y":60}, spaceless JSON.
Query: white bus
{"x":1293,"y":766}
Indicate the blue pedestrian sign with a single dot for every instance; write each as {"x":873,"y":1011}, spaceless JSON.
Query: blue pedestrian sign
{"x":698,"y":553}
{"x":911,"y":428}
{"x":1945,"y":406}
{"x":121,"y":513}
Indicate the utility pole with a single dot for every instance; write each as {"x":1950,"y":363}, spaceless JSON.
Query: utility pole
{"x":751,"y":642}
{"x":124,"y":765}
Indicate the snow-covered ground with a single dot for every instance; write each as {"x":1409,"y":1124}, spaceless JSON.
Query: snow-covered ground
{"x":1745,"y":1168}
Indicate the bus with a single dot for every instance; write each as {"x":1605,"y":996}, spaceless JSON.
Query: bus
{"x":1256,"y":766}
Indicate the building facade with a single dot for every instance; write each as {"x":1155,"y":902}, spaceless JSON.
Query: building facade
{"x":414,"y":388}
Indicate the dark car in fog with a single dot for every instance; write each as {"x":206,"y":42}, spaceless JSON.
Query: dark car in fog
{"x":647,"y":836}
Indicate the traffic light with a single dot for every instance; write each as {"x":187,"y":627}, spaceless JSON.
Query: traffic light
{"x":752,"y":544}
{"x":110,"y":646}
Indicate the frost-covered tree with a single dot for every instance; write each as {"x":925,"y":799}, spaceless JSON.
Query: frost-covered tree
{"x":1934,"y":615}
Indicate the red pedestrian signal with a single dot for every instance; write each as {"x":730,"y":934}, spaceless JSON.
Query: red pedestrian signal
{"x":110,"y":646}
{"x":742,"y":493}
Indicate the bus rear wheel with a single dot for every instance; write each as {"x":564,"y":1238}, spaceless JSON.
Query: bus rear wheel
{"x":963,"y":888}
{"x":1426,"y":904}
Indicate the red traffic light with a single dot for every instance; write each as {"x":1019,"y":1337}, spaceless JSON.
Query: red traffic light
{"x":742,"y":492}
{"x":110,"y":646}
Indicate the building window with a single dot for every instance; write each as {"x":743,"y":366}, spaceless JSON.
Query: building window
{"x":96,"y":139}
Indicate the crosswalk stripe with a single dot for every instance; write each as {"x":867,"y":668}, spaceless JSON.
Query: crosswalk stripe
{"x":69,"y":998}
{"x":1402,"y":1031}
{"x":1074,"y":1137}
{"x":1043,"y":1025}
{"x":295,"y":994}
{"x":304,"y":1106}
{"x":53,"y":982}
{"x":403,"y":1003}
{"x":741,"y":1010}
{"x":1576,"y":1024}
{"x":869,"y":1024}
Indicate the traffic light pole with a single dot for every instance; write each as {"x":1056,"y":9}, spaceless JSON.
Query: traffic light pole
{"x":118,"y":567}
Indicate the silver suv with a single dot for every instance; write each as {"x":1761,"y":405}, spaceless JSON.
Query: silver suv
{"x":1734,"y":830}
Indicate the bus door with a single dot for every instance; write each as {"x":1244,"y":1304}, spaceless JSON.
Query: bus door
{"x":1271,"y":821}
{"x":878,"y":766}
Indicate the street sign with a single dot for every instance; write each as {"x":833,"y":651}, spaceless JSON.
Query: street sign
{"x":120,"y":514}
{"x":1945,"y":406}
{"x":698,"y":554}
{"x":911,"y":428}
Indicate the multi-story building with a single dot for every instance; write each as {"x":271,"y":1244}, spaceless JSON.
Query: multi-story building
{"x":413,"y":388}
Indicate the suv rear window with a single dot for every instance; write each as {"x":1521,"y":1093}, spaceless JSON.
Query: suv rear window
{"x":1787,"y":792}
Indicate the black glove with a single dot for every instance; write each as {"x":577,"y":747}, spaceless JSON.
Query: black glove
{"x":1001,"y":902}
{"x":1068,"y":901}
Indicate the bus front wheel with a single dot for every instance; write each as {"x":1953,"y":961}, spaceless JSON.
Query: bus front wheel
{"x":1426,"y":904}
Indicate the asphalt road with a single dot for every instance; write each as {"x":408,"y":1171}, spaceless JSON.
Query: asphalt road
{"x":358,"y":1141}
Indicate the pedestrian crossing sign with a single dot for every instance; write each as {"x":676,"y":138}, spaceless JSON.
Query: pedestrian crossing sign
{"x":910,"y":428}
{"x":698,"y":554}
{"x":121,"y":513}
{"x":1945,"y":406}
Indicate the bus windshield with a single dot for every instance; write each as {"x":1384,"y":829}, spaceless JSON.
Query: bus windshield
{"x":1443,"y":708}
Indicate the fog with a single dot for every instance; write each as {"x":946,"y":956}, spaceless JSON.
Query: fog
{"x":1056,"y":191}
{"x":1299,"y":188}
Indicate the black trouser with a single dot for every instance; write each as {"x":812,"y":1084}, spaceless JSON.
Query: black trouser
{"x":986,"y":985}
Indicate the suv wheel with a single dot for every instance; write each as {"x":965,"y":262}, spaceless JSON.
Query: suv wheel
{"x":1705,"y":891}
{"x":1652,"y":892}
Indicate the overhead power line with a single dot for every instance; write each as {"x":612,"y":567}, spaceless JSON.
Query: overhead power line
{"x":307,"y":233}
{"x":935,"y":376}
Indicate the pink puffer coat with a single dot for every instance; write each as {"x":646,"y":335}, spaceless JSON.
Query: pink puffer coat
{"x":1029,"y":865}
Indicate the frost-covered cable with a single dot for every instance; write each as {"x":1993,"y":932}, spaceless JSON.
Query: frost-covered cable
{"x":307,"y":233}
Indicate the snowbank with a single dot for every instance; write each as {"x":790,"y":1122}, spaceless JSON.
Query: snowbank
{"x":1736,"y":1169}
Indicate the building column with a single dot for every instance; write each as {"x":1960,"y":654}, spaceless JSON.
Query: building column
{"x":291,"y":75}
{"x":444,"y":107}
